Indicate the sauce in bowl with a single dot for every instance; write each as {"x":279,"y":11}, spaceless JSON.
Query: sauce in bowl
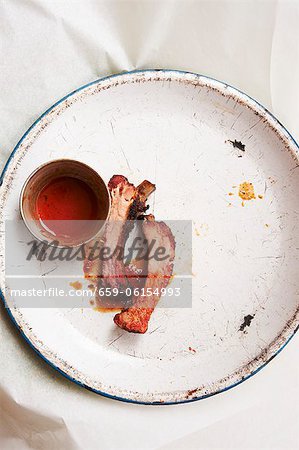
{"x":67,"y":198}
{"x":65,"y":207}
{"x":65,"y":201}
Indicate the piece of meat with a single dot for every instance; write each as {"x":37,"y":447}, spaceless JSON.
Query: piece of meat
{"x":139,"y":207}
{"x":127,"y":204}
{"x":135,"y":319}
{"x":136,"y":268}
{"x":123,"y":196}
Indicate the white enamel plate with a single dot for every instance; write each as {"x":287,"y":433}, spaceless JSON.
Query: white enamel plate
{"x":177,"y":130}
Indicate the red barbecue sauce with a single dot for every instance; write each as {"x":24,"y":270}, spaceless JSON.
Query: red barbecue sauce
{"x":66,"y":199}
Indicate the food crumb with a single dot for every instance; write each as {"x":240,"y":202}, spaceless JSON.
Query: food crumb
{"x":260,"y":196}
{"x":267,"y":225}
{"x":197,"y":232}
{"x":246,"y":191}
{"x":243,"y":204}
{"x":76,"y":285}
{"x":230,"y":193}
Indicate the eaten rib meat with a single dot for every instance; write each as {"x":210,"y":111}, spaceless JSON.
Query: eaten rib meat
{"x":123,"y":196}
{"x":159,"y":272}
{"x":127,"y":204}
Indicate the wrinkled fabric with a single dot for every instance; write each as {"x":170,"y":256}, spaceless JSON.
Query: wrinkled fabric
{"x":49,"y":48}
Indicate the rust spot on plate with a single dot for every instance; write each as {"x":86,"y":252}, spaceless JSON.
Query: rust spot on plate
{"x":246,"y":322}
{"x":191,"y":392}
{"x":237,"y":144}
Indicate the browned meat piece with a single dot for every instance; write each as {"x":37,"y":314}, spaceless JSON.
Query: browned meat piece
{"x":136,"y":269}
{"x":159,"y":272}
{"x":138,"y":208}
{"x":123,"y":196}
{"x":134,"y":320}
{"x":127,"y":204}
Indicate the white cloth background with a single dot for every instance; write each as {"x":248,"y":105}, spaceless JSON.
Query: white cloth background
{"x":48,"y":48}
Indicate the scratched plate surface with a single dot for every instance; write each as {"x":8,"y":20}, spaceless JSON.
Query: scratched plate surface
{"x":174,"y":129}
